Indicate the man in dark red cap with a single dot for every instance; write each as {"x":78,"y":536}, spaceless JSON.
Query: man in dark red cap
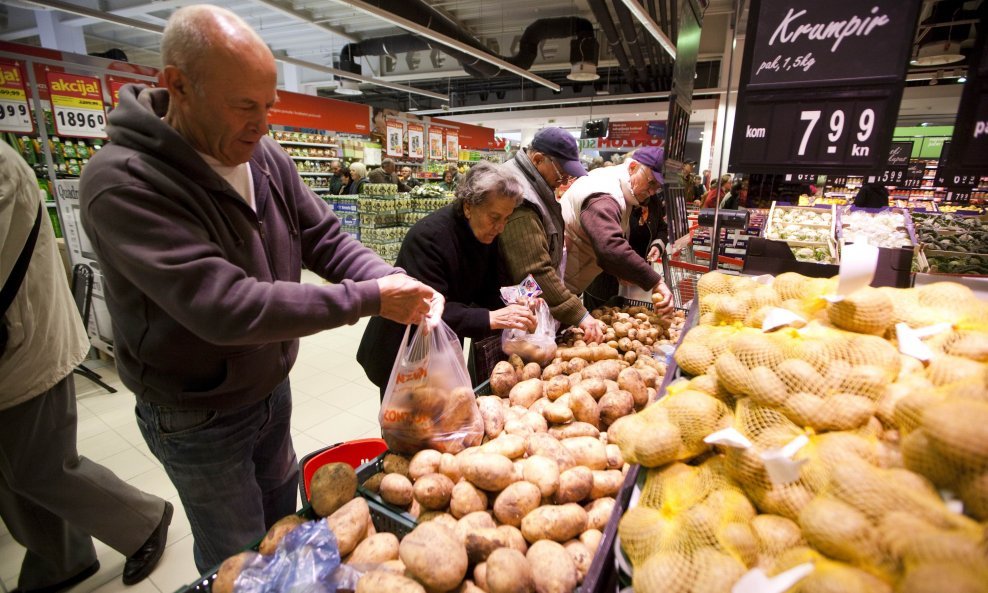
{"x":533,"y":239}
{"x":597,"y":212}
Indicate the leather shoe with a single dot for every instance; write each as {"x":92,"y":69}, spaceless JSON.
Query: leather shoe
{"x":69,"y":582}
{"x":140,"y":564}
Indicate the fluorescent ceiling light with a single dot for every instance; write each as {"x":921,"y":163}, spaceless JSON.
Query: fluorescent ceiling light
{"x":447,"y":41}
{"x":651,"y":26}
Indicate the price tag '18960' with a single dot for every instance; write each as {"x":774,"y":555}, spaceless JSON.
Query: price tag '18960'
{"x":77,"y":105}
{"x":15,"y":116}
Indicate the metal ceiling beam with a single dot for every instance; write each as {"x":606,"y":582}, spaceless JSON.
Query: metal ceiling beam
{"x":418,"y":29}
{"x":306,"y":18}
{"x":651,"y":26}
{"x":83,"y":21}
{"x":284,"y":58}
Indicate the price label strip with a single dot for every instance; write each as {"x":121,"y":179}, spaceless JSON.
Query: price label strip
{"x":77,"y":105}
{"x":15,"y":116}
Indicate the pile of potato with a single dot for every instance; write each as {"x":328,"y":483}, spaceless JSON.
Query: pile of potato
{"x":886,"y":435}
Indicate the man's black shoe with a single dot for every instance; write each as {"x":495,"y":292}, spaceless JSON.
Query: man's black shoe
{"x":140,"y":564}
{"x":69,"y":582}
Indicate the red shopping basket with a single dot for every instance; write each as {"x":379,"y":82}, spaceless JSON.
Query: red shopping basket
{"x":355,"y":453}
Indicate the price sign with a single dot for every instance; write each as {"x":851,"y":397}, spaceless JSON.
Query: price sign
{"x":896,"y":166}
{"x":395,"y":144}
{"x":77,"y":105}
{"x":947,"y":176}
{"x":845,"y":123}
{"x":452,"y":145}
{"x":970,"y":138}
{"x":15,"y":116}
{"x":914,"y":174}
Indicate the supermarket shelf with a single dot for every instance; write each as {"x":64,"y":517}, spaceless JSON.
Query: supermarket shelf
{"x":314,"y":158}
{"x":313,"y":174}
{"x":319,"y":189}
{"x":316,"y":144}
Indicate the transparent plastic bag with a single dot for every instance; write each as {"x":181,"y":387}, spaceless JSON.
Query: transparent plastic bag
{"x":429,"y":403}
{"x":307,"y":561}
{"x":540,"y":345}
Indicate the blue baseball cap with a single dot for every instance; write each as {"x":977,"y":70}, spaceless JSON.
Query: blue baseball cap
{"x":652,"y":157}
{"x":560,"y":145}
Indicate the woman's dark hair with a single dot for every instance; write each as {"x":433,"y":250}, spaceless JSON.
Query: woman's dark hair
{"x":345,"y":172}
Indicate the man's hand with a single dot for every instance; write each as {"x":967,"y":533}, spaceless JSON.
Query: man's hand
{"x":514,"y":316}
{"x":662,"y":299}
{"x":403,"y":298}
{"x":592,"y":333}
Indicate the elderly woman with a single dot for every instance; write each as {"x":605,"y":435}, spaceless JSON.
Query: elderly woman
{"x":449,"y":181}
{"x":454,"y":250}
{"x":358,"y":177}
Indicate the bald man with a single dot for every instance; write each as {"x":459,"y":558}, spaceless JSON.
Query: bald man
{"x":201,"y":225}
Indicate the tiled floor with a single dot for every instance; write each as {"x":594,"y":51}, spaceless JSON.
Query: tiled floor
{"x":333,"y":402}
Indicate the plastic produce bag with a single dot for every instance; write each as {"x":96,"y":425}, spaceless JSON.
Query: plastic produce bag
{"x":429,"y":403}
{"x":540,"y":345}
{"x":306,"y":561}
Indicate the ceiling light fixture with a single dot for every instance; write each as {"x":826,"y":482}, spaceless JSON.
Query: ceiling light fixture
{"x":962,"y":79}
{"x":428,"y":33}
{"x":651,"y":26}
{"x":583,"y":72}
{"x":348,"y":87}
{"x":938,"y":53}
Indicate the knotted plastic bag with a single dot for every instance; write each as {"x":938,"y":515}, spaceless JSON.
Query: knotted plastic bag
{"x":540,"y":345}
{"x":307,"y":560}
{"x":429,"y":403}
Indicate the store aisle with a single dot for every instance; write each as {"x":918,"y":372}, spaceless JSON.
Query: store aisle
{"x":333,"y":402}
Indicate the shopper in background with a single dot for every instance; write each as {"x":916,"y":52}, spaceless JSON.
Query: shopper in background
{"x":346,"y":180}
{"x":533,"y":239}
{"x":454,"y":250}
{"x":732,"y":199}
{"x":52,"y":500}
{"x":449,"y":181}
{"x":597,"y":210}
{"x":336,"y":181}
{"x":706,"y":179}
{"x":358,"y":177}
{"x":406,"y":177}
{"x":693,"y":190}
{"x":872,"y":195}
{"x":716,"y":194}
{"x":387,"y":173}
{"x":201,"y":225}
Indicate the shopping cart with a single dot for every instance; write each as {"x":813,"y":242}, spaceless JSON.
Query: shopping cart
{"x":684,"y":269}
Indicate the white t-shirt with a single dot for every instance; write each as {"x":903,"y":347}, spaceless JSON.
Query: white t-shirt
{"x":238,"y":176}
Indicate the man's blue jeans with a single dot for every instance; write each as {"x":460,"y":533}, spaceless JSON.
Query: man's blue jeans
{"x":235,"y":470}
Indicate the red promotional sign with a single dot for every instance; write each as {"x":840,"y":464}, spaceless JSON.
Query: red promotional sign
{"x":416,"y":142}
{"x":472,"y":137}
{"x":319,"y":113}
{"x":15,"y":115}
{"x":117,"y":82}
{"x":77,"y":105}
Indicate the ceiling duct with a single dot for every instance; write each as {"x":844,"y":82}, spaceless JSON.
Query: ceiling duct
{"x":603,"y":16}
{"x":583,"y":47}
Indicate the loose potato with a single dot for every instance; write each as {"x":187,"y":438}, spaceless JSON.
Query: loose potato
{"x":445,"y":519}
{"x":492,"y":414}
{"x":488,"y":471}
{"x":450,"y":467}
{"x":395,"y":464}
{"x":545,"y":445}
{"x":553,"y":370}
{"x":424,"y":462}
{"x":377,"y":549}
{"x":513,"y":537}
{"x":278,"y":531}
{"x":481,"y":542}
{"x":525,"y":393}
{"x":380,"y":581}
{"x":582,"y":557}
{"x":575,"y":484}
{"x":373,"y":483}
{"x":503,"y":378}
{"x":616,"y":404}
{"x":575,"y":366}
{"x":559,"y":523}
{"x":584,"y":406}
{"x":587,"y":451}
{"x":591,"y":538}
{"x":508,"y":571}
{"x":553,"y":569}
{"x":555,"y":387}
{"x":473,"y":522}
{"x":433,"y":491}
{"x":574,"y":429}
{"x":557,"y":413}
{"x":332,"y":486}
{"x":393,"y":566}
{"x":396,"y":489}
{"x":535,"y":421}
{"x":468,"y":586}
{"x":605,"y":369}
{"x":543,"y":472}
{"x":614,"y":458}
{"x":516,"y":501}
{"x":599,"y":512}
{"x":349,"y":524}
{"x":539,"y":406}
{"x":511,"y":446}
{"x":433,"y":555}
{"x":226,"y":576}
{"x":606,"y":483}
{"x":466,"y":498}
{"x":516,"y":362}
{"x":480,"y":575}
{"x":517,"y":427}
{"x":531,"y":370}
{"x":595,"y":387}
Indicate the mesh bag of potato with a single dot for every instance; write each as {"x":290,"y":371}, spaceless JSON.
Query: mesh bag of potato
{"x":429,"y":403}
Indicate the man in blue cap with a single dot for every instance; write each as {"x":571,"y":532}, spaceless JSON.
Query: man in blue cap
{"x":597,"y":213}
{"x":533,"y":240}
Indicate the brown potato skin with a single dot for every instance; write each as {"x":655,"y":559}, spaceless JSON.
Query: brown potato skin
{"x":278,"y":531}
{"x":380,"y":581}
{"x":553,"y":569}
{"x":433,"y":555}
{"x":332,"y":486}
{"x":508,"y":571}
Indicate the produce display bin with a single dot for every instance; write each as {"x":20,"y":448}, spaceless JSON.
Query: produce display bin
{"x":393,"y":519}
{"x":603,"y":575}
{"x":355,"y":453}
{"x":484,"y":355}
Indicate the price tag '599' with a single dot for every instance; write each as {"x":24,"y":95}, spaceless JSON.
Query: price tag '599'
{"x":77,"y":105}
{"x":15,"y":116}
